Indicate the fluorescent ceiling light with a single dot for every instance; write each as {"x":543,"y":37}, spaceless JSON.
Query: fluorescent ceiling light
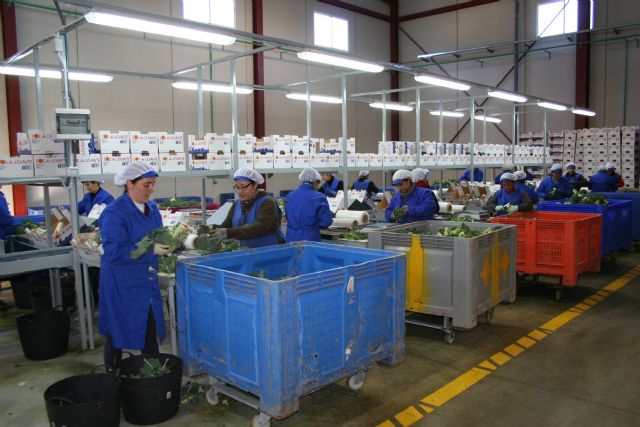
{"x":48,"y":73}
{"x":315,"y":98}
{"x":551,"y":106}
{"x":447,"y":113}
{"x":441,"y":81}
{"x":210,"y":87}
{"x":488,"y":119}
{"x":509,"y":96}
{"x":583,"y":112}
{"x":340,"y":61}
{"x":152,"y":27}
{"x":391,"y":106}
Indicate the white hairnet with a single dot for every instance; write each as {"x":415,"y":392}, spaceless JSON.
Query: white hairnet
{"x":400,"y":175}
{"x":507,"y":176}
{"x":364,"y":173}
{"x":520,"y":175}
{"x":570,"y":165}
{"x":309,"y":175}
{"x":419,"y":174}
{"x":556,"y":167}
{"x":609,"y":166}
{"x":602,"y":168}
{"x":134,"y":170}
{"x":248,"y":174}
{"x":508,"y":167}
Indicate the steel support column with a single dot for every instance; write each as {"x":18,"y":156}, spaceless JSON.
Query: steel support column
{"x":583,"y":62}
{"x":258,"y":71}
{"x":394,"y":75}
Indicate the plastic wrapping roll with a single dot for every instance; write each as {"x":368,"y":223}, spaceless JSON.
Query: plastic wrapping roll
{"x":349,"y":219}
{"x":457,"y":208}
{"x":445,"y":207}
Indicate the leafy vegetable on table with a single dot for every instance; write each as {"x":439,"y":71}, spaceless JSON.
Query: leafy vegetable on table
{"x":176,"y":203}
{"x":355,"y":235}
{"x":170,"y":236}
{"x":585,"y":198}
{"x":401,"y":213}
{"x":26,"y":225}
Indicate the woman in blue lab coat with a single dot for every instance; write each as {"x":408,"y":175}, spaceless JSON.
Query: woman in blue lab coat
{"x":130,"y":303}
{"x":96,"y":195}
{"x":307,"y":210}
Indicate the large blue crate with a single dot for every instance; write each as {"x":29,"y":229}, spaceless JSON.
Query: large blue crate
{"x":635,"y":209}
{"x":339,"y":310}
{"x":616,"y":221}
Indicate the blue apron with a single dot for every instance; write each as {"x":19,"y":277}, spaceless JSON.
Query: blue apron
{"x":240,"y":219}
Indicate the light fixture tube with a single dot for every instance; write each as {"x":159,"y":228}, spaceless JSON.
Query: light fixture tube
{"x":396,"y":106}
{"x":340,"y":61}
{"x":507,"y":96}
{"x":552,"y":106}
{"x":110,"y":19}
{"x":583,"y":112}
{"x":210,"y":87}
{"x":441,"y":81}
{"x":447,"y":113}
{"x":315,"y":98}
{"x":47,"y":73}
{"x":488,"y":119}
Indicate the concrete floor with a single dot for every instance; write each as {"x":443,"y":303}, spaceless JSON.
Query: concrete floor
{"x":586,"y":373}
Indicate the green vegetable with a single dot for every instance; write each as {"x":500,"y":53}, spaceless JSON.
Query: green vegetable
{"x":259,"y":274}
{"x":461,"y":218}
{"x":583,"y":197}
{"x":170,"y":236}
{"x":355,"y":235}
{"x":167,"y":264}
{"x":192,"y":392}
{"x":462,"y":231}
{"x":26,"y":225}
{"x":177,"y":203}
{"x":401,"y":213}
{"x":152,"y":368}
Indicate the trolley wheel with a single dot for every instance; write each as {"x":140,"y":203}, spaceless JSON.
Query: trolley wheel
{"x":449,"y":337}
{"x":212,"y":396}
{"x":357,"y":381}
{"x":558,"y":295}
{"x":488,"y":315}
{"x":261,"y":420}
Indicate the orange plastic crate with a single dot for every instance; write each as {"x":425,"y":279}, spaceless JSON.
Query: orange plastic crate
{"x":555,"y":243}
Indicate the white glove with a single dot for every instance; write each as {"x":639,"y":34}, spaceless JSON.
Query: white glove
{"x":189,"y":241}
{"x":100,"y":250}
{"x":512,"y":209}
{"x":499,"y":208}
{"x":220,"y":233}
{"x":159,"y":249}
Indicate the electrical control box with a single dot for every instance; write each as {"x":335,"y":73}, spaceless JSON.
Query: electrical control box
{"x":71,"y":124}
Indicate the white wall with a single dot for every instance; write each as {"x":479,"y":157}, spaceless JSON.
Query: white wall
{"x":150,"y":104}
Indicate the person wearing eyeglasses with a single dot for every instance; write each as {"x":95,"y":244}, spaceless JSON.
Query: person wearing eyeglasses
{"x":307,"y":210}
{"x":254,"y":219}
{"x":331,"y":184}
{"x":409,"y":203}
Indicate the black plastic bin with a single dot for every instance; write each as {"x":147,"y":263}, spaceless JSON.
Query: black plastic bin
{"x":150,"y":400}
{"x":21,"y":285}
{"x":44,"y":334}
{"x":91,"y":400}
{"x":41,"y":297}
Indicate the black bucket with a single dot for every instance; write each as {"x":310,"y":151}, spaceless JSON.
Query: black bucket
{"x":41,"y":297}
{"x":150,"y":400}
{"x":84,"y":400}
{"x":44,"y":334}
{"x":20,"y":285}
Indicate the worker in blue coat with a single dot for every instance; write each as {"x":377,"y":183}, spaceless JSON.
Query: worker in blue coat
{"x":555,"y":186}
{"x":602,"y":182}
{"x":577,"y":180}
{"x":521,"y":185}
{"x":478,"y":175}
{"x":307,"y":210}
{"x":611,"y":171}
{"x":364,"y":183}
{"x":130,"y":310}
{"x":508,"y":168}
{"x":508,"y":199}
{"x":96,"y":195}
{"x":6,"y":219}
{"x":331,"y":185}
{"x":254,"y":219}
{"x":413,"y":203}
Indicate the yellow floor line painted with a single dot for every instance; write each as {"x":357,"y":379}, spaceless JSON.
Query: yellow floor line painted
{"x":411,"y":414}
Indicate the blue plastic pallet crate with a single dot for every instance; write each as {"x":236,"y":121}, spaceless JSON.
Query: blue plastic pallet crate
{"x":616,"y":221}
{"x":321,"y":313}
{"x":635,"y":209}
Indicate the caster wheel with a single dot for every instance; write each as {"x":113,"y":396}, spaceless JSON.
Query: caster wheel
{"x":488,"y":315}
{"x":212,"y":397}
{"x":449,"y":337}
{"x":261,"y":420}
{"x":357,"y":381}
{"x":558,"y":294}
